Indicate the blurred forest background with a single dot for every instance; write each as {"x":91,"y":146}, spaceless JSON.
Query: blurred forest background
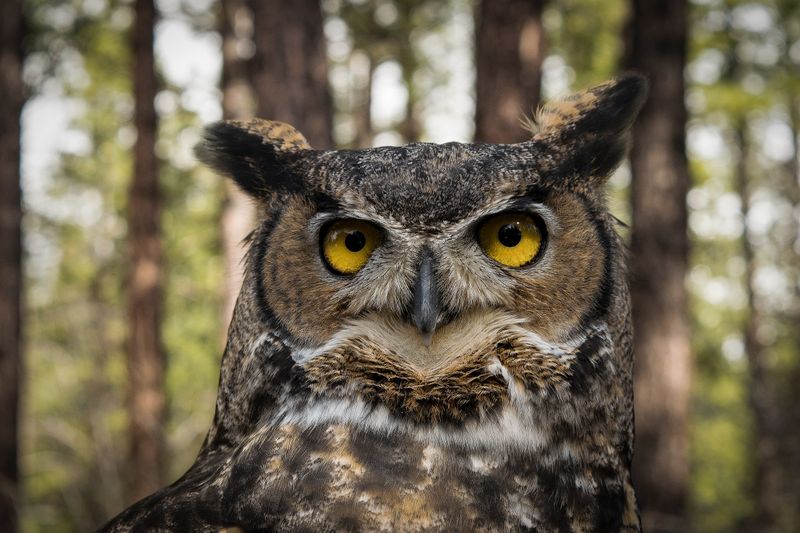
{"x":111,"y":331}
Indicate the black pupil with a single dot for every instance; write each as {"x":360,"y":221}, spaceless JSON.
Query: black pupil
{"x":509,"y":235}
{"x":355,"y":241}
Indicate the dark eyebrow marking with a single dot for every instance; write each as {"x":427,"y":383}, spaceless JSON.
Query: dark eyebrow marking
{"x":325,"y":202}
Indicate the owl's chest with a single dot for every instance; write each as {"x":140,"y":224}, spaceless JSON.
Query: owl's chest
{"x":335,"y":478}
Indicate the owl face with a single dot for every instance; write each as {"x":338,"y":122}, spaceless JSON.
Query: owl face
{"x":443,"y":234}
{"x":434,"y":281}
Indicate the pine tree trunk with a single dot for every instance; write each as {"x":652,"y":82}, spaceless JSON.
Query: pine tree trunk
{"x":791,"y":440}
{"x":410,"y":126}
{"x":146,"y":360}
{"x":363,"y":109}
{"x":510,"y":51}
{"x":656,"y":47}
{"x":290,"y":70}
{"x":12,"y":96}
{"x":766,"y":483}
{"x":238,"y":102}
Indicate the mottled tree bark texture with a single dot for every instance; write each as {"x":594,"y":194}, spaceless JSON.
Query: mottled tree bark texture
{"x":290,"y":70}
{"x":509,"y":55}
{"x":11,"y":94}
{"x":146,"y":362}
{"x":656,"y":47}
{"x":238,"y":102}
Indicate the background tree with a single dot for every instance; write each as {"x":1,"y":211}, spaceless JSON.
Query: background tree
{"x":509,"y":51}
{"x":386,"y":34}
{"x":11,"y":94}
{"x":75,"y":423}
{"x":746,"y":97}
{"x":146,"y":359}
{"x":656,"y":47}
{"x":274,"y":66}
{"x":290,"y":72}
{"x":740,"y":108}
{"x":787,"y":79}
{"x":765,"y":485}
{"x":75,"y":414}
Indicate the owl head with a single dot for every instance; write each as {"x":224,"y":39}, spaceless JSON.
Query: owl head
{"x":455,"y":289}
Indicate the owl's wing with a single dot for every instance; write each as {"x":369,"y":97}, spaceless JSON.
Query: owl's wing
{"x":192,"y":503}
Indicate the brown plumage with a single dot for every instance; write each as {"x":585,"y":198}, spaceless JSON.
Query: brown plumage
{"x":437,"y":386}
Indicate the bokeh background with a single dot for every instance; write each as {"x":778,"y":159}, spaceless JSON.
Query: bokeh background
{"x":112,"y":330}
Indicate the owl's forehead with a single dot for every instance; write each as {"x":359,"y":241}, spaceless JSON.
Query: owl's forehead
{"x":424,"y":184}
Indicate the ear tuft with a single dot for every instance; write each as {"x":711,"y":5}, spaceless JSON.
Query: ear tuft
{"x":588,"y":131}
{"x":613,"y":104}
{"x":257,"y":154}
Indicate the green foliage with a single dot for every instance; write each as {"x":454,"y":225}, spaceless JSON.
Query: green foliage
{"x":76,"y":328}
{"x":409,"y":34}
{"x":720,"y":443}
{"x":588,"y":35}
{"x":75,"y":421}
{"x":740,"y":73}
{"x":192,"y":324}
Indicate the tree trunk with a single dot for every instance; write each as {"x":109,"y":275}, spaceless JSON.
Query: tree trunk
{"x":410,"y":126}
{"x":238,"y":102}
{"x":766,"y":483}
{"x":146,"y":360}
{"x":509,"y":55}
{"x":791,"y":441}
{"x":656,"y":47}
{"x":12,"y":96}
{"x":290,"y":70}
{"x":363,"y":109}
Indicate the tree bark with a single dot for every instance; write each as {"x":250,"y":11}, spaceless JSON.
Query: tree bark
{"x":656,"y":47}
{"x":363,"y":108}
{"x":238,"y":102}
{"x":146,"y":360}
{"x":509,"y":55}
{"x":410,"y":127}
{"x":766,"y":490}
{"x":791,"y":441}
{"x":290,"y":70}
{"x":12,"y":96}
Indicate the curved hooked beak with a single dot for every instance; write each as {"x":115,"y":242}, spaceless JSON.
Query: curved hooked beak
{"x":426,"y":299}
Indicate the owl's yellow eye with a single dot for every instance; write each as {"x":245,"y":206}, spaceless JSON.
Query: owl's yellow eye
{"x":511,"y":239}
{"x":347,"y":245}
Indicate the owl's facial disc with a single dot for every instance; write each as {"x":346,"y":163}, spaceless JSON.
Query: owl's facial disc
{"x":432,"y":324}
{"x":442,"y":323}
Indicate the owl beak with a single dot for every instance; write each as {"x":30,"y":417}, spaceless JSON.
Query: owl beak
{"x":426,"y":299}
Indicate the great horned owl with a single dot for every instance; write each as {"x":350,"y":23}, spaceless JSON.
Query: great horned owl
{"x":428,"y":337}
